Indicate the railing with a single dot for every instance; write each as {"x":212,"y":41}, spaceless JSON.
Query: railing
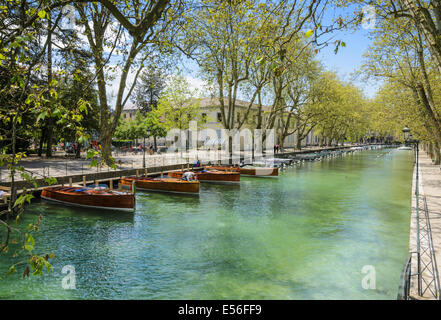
{"x":404,"y":288}
{"x":430,"y":281}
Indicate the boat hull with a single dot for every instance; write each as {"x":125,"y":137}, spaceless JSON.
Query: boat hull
{"x":255,"y":172}
{"x":108,"y":200}
{"x":212,"y":176}
{"x":163,"y":185}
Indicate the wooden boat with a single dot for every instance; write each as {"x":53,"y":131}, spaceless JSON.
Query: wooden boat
{"x":163,"y":184}
{"x":250,"y":170}
{"x":211,"y":176}
{"x":99,"y":198}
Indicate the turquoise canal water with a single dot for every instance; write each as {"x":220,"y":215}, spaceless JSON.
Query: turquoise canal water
{"x":304,"y":235}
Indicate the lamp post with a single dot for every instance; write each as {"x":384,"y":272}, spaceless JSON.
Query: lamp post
{"x":406,"y":133}
{"x":408,"y":139}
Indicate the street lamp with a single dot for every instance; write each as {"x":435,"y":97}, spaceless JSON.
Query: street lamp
{"x":406,"y":133}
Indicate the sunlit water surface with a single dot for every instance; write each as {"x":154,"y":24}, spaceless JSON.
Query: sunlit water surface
{"x":305,"y":235}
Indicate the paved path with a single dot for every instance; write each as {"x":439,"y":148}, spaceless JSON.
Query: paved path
{"x":59,"y":166}
{"x":429,"y":229}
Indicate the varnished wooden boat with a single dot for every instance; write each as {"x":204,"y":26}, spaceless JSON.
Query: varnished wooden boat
{"x":249,"y":170}
{"x":163,"y":184}
{"x":90,"y":198}
{"x":216,"y":176}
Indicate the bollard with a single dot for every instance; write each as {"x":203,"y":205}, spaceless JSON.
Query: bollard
{"x":111,"y":184}
{"x":84,"y":181}
{"x":137,"y":172}
{"x":70,"y":182}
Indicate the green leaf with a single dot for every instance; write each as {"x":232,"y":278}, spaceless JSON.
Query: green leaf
{"x":42,"y":14}
{"x":30,"y":242}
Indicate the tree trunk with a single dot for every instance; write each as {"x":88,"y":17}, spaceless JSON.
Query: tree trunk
{"x":50,"y":121}
{"x":299,"y":144}
{"x":49,"y":137}
{"x":437,"y":153}
{"x":42,"y":139}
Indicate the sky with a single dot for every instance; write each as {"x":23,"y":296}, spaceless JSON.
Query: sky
{"x":347,"y":60}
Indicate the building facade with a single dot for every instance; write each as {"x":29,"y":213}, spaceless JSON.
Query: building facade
{"x":212,"y":119}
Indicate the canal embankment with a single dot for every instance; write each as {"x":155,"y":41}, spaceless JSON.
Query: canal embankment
{"x":425,"y":231}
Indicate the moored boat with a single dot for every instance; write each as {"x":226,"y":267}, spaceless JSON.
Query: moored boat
{"x":99,"y":198}
{"x":211,"y":176}
{"x":254,"y":171}
{"x":173,"y":185}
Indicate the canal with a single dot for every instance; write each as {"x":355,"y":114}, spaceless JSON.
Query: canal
{"x":305,"y":235}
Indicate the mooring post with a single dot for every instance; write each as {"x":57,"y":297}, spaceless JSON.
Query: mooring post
{"x":96,"y":183}
{"x":137,"y":172}
{"x":70,"y":182}
{"x":133,"y":187}
{"x":145,"y":172}
{"x":111,"y":184}
{"x":84,"y":181}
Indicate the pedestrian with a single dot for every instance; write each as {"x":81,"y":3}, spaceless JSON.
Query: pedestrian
{"x":188,"y":175}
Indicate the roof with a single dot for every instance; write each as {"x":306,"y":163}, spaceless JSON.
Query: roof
{"x":214,"y":102}
{"x":205,"y":103}
{"x":130,"y":107}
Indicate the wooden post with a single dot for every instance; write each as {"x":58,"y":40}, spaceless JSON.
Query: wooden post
{"x":84,"y":181}
{"x":70,"y":182}
{"x":96,"y":183}
{"x":182,"y":167}
{"x":111,"y":184}
{"x":146,"y":172}
{"x":133,"y":187}
{"x":5,"y":199}
{"x":188,"y":166}
{"x":137,"y":172}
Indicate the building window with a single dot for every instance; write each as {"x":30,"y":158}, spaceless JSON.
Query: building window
{"x":219,"y":117}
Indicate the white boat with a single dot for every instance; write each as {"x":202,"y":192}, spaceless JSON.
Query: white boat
{"x":405,"y":148}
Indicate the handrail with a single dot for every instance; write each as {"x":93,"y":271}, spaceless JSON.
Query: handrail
{"x":404,"y":288}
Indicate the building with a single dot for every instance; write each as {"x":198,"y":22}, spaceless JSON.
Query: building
{"x":212,"y":119}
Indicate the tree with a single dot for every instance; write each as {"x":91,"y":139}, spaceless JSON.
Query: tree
{"x":143,"y":24}
{"x":404,"y":62}
{"x":149,"y":88}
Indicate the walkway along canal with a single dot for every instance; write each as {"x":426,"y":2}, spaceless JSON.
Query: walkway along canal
{"x":316,"y":232}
